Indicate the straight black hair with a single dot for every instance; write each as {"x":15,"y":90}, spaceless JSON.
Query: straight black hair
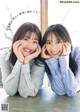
{"x":62,"y":34}
{"x":20,"y":33}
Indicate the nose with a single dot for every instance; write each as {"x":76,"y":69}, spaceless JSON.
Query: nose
{"x":29,"y":43}
{"x":53,"y":47}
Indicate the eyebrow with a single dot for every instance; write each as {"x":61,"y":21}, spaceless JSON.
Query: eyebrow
{"x":29,"y":37}
{"x":48,"y":40}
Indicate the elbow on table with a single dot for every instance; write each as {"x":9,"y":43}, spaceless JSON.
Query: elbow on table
{"x":27,"y":93}
{"x":71,"y":93}
{"x":10,"y":93}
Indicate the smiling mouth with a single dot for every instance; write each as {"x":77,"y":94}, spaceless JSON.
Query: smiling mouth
{"x":55,"y":53}
{"x":27,"y":50}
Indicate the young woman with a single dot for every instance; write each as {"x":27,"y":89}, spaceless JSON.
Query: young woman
{"x":62,"y":60}
{"x":22,"y":69}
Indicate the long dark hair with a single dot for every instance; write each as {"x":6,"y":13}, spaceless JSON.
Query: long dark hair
{"x":20,"y":33}
{"x":62,"y":34}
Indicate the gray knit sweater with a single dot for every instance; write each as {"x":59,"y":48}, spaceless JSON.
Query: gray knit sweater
{"x":23,"y":78}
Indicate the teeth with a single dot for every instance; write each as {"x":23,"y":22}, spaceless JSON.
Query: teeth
{"x":54,"y":53}
{"x":27,"y":50}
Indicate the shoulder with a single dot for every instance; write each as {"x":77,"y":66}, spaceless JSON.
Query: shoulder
{"x":75,"y":52}
{"x":4,"y":55}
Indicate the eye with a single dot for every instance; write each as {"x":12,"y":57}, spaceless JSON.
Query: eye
{"x":35,"y":42}
{"x":48,"y":42}
{"x":25,"y":38}
{"x":58,"y":41}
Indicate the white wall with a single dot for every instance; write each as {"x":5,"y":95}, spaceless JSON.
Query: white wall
{"x":67,"y":14}
{"x":10,"y":15}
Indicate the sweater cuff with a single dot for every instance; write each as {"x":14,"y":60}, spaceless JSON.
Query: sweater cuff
{"x":64,"y":62}
{"x":52,"y":63}
{"x":26,"y":68}
{"x":17,"y":65}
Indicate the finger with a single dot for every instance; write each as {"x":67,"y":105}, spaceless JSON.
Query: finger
{"x":16,"y":45}
{"x":44,"y":55}
{"x":20,"y":50}
{"x":43,"y":51}
{"x":39,"y":48}
{"x":17,"y":42}
{"x":44,"y":47}
{"x":38,"y":51}
{"x":66,"y":49}
{"x":68,"y":44}
{"x":63,"y":50}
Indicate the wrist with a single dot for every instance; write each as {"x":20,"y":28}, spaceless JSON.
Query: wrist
{"x":25,"y":61}
{"x":21,"y":60}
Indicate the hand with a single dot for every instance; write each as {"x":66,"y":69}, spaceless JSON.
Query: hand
{"x":44,"y":53}
{"x":66,"y":49}
{"x":17,"y":51}
{"x":33,"y":55}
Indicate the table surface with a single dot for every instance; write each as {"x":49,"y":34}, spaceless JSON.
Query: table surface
{"x":45,"y":101}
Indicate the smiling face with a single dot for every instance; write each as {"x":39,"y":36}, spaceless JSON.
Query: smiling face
{"x":54,"y":45}
{"x":29,"y":43}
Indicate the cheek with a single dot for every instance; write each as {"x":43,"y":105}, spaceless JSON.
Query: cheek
{"x":60,"y":46}
{"x":23,"y":42}
{"x":35,"y":47}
